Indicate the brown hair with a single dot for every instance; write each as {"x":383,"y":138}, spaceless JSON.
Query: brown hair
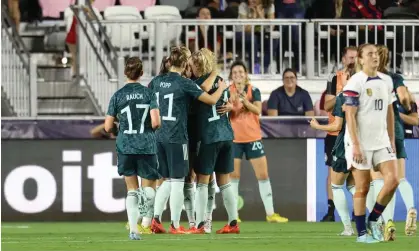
{"x":238,"y":63}
{"x":133,"y":68}
{"x":179,"y":56}
{"x":289,"y":70}
{"x":164,"y":66}
{"x":383,"y":53}
{"x":204,"y":60}
{"x":348,"y":48}
{"x":358,"y":66}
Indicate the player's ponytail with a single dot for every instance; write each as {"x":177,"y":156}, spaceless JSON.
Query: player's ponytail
{"x":383,"y":53}
{"x":164,"y":66}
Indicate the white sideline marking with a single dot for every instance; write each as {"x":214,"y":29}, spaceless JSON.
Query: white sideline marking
{"x":21,"y":227}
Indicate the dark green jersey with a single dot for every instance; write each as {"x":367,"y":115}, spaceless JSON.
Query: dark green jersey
{"x":131,"y":105}
{"x":339,"y":147}
{"x":174,"y":94}
{"x":398,"y":127}
{"x":213,"y":127}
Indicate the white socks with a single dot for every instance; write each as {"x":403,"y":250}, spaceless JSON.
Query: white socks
{"x":341,"y":205}
{"x":176,"y":200}
{"x":211,"y":200}
{"x":265,"y":191}
{"x":189,"y":202}
{"x":201,"y":206}
{"x":131,"y":204}
{"x":162,"y":195}
{"x":150,"y":195}
{"x":230,"y":201}
{"x":406,"y":192}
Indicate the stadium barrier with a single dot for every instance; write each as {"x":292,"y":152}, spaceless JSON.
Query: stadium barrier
{"x":62,"y":175}
{"x":272,"y":46}
{"x":76,"y":180}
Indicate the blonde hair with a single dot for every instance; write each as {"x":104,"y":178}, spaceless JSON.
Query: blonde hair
{"x":204,"y":60}
{"x":179,"y":56}
{"x":358,"y":65}
{"x":383,"y":53}
{"x":338,"y":8}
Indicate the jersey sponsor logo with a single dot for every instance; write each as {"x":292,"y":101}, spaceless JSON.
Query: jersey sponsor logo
{"x":369,"y":92}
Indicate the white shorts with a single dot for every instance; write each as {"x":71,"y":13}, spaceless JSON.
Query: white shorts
{"x":372,"y":158}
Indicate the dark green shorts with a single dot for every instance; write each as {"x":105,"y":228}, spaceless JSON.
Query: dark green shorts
{"x":251,"y":150}
{"x":400,"y":150}
{"x":173,"y":160}
{"x":339,"y":165}
{"x":215,"y":157}
{"x":193,"y":135}
{"x":143,"y":165}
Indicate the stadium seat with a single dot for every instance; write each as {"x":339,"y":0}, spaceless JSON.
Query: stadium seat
{"x":52,"y":8}
{"x":101,"y":5}
{"x":182,"y":5}
{"x":140,"y":5}
{"x":317,"y":110}
{"x":170,"y":32}
{"x":122,"y":34}
{"x":68,"y":17}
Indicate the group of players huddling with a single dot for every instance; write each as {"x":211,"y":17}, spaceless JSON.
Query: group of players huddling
{"x":178,"y":130}
{"x":370,"y":108}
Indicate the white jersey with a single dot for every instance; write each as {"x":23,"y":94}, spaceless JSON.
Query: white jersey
{"x":375,"y":95}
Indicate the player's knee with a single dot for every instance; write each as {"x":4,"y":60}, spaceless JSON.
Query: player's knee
{"x":235,"y":175}
{"x":391,"y":181}
{"x":362,"y":191}
{"x":203,"y":178}
{"x":262,"y":176}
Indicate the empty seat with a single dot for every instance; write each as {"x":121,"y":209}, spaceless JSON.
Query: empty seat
{"x":180,"y":4}
{"x":140,"y":5}
{"x":52,"y":8}
{"x":169,"y":32}
{"x":122,"y":34}
{"x":101,"y":5}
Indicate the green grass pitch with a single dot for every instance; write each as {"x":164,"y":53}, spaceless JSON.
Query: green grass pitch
{"x":254,"y":236}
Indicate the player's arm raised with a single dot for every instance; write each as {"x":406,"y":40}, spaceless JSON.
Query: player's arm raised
{"x":207,"y":85}
{"x":213,"y":98}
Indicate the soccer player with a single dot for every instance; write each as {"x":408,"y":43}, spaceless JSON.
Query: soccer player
{"x":136,"y":108}
{"x":215,"y":152}
{"x":402,"y":99}
{"x":410,"y":119}
{"x":369,"y":138}
{"x":340,"y":172}
{"x":247,"y":107}
{"x":173,"y":93}
{"x":334,"y":86}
